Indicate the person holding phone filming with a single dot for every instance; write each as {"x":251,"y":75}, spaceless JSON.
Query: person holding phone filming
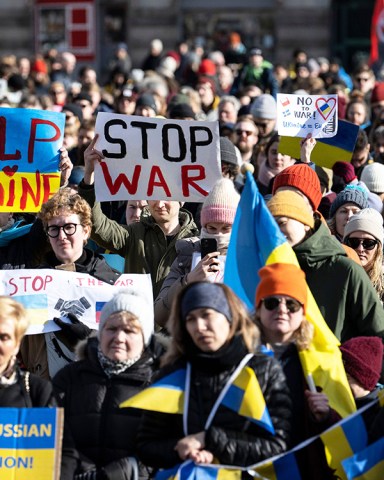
{"x":197,"y":259}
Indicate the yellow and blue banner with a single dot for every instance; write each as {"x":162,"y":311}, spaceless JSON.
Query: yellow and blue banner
{"x":346,"y":451}
{"x":327,"y":151}
{"x":344,"y":440}
{"x":29,"y":150}
{"x":367,"y":464}
{"x":256,"y":240}
{"x":191,"y":471}
{"x":166,"y":395}
{"x":30,"y":443}
{"x":245,"y":397}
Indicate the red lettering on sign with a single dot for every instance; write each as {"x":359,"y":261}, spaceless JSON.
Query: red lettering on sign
{"x":3,"y":155}
{"x":155,"y":171}
{"x":190,"y":181}
{"x":32,"y":138}
{"x":121,"y":179}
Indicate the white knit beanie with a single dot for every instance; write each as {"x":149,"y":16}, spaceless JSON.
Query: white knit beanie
{"x":373,"y":177}
{"x":134,"y":302}
{"x":221,"y":203}
{"x":367,"y":220}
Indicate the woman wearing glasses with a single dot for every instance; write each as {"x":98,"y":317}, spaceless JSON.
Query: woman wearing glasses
{"x":66,"y":219}
{"x":342,"y":290}
{"x":364,"y":233}
{"x":281,"y":302}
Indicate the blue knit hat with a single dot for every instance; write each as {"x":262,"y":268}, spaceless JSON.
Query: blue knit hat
{"x":350,"y":194}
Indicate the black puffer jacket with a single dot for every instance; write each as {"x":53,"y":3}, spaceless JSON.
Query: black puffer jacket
{"x":231,"y":438}
{"x":97,"y":431}
{"x":28,"y":391}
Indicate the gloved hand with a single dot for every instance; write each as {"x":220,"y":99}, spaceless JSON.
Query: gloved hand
{"x":71,"y":333}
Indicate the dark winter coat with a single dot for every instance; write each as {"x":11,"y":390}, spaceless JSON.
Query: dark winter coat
{"x":28,"y":391}
{"x":98,"y":432}
{"x":231,"y":438}
{"x":341,"y":288}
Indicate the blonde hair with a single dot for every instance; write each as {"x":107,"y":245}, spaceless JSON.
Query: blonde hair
{"x":302,"y":337}
{"x":11,"y":309}
{"x":65,"y":201}
{"x":374,"y":270}
{"x":241,"y":325}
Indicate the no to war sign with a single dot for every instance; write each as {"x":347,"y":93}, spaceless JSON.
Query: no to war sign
{"x":298,"y":115}
{"x":29,"y":157}
{"x":49,"y":293}
{"x":30,"y":443}
{"x":156,"y":159}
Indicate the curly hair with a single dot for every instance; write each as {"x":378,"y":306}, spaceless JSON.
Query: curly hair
{"x":11,"y":309}
{"x":67,"y":202}
{"x":241,"y":324}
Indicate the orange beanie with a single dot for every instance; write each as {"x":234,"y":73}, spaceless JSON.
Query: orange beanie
{"x":282,"y":279}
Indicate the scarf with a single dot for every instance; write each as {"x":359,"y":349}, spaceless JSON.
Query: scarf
{"x":113,"y":367}
{"x":14,"y":231}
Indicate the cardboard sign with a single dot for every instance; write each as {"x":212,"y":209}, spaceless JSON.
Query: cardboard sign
{"x":29,"y":157}
{"x":156,"y":159}
{"x":298,"y":115}
{"x":49,"y":293}
{"x":30,"y":443}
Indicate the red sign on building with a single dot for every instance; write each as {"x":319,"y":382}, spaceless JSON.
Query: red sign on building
{"x":66,"y":26}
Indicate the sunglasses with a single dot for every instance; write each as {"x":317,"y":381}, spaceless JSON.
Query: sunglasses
{"x":367,"y":243}
{"x":240,"y":132}
{"x":263,"y":124}
{"x":271,"y":303}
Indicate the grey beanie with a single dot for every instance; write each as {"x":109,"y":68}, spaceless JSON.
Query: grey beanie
{"x":350,"y":194}
{"x":134,"y":302}
{"x":367,"y":220}
{"x":228,"y":151}
{"x":264,"y":106}
{"x":373,"y":177}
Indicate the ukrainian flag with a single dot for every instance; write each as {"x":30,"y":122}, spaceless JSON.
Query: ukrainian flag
{"x":256,"y":240}
{"x":191,"y":471}
{"x":344,"y":440}
{"x":245,"y":397}
{"x":327,"y":151}
{"x":36,"y":306}
{"x":166,"y":395}
{"x":367,"y":464}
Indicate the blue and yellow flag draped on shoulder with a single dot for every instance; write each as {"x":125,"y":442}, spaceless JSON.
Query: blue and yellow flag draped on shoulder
{"x":256,"y":241}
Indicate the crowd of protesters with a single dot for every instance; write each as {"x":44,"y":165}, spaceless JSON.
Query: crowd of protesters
{"x":332,"y":218}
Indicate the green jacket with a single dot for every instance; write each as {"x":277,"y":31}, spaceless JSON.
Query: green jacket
{"x":143,"y":244}
{"x":341,"y":287}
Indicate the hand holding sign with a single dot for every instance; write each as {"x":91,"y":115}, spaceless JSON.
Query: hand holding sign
{"x":307,"y":144}
{"x":91,"y":156}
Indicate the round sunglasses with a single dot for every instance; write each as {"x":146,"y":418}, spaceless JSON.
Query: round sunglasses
{"x":367,"y":243}
{"x":271,"y":303}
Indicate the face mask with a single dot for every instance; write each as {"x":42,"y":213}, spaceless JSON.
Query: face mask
{"x":221,"y":238}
